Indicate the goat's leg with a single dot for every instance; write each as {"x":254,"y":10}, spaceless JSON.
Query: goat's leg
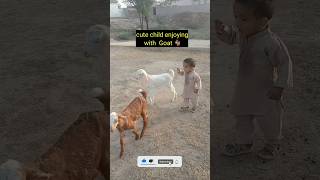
{"x":121,"y":143}
{"x":151,"y":96}
{"x":173,"y":90}
{"x":135,"y":132}
{"x":145,"y":123}
{"x":104,"y":162}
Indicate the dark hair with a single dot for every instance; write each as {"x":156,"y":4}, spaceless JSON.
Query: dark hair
{"x":262,"y":8}
{"x":190,"y":62}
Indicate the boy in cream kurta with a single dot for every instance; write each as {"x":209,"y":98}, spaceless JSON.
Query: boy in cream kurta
{"x":265,"y":70}
{"x":192,"y":85}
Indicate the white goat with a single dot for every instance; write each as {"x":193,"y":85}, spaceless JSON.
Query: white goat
{"x":153,"y":83}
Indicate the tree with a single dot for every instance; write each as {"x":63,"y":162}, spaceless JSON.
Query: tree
{"x":143,"y":8}
{"x":166,"y":2}
{"x":147,"y":6}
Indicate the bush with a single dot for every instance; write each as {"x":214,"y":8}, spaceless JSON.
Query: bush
{"x":126,"y":35}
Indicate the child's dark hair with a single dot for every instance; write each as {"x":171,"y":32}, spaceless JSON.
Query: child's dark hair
{"x":262,"y":8}
{"x":191,"y":62}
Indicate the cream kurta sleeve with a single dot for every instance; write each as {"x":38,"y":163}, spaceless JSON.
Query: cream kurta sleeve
{"x":280,"y":59}
{"x":230,"y":35}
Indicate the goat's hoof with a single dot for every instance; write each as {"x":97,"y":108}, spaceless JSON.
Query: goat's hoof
{"x":137,"y":137}
{"x":121,"y":156}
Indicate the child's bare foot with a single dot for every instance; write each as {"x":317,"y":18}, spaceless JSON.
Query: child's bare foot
{"x":193,"y":109}
{"x":233,"y":150}
{"x":269,"y":152}
{"x":184,"y":108}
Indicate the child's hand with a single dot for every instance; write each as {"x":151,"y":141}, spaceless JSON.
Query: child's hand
{"x":220,"y":27}
{"x":275,"y":93}
{"x":179,"y":70}
{"x":196,"y":91}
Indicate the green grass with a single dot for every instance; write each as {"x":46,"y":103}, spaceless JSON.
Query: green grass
{"x":128,"y":34}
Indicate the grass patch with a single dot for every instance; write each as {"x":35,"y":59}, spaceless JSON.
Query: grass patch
{"x":125,"y":34}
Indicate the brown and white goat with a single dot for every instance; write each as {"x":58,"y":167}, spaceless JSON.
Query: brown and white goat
{"x":129,"y":116}
{"x":80,"y":153}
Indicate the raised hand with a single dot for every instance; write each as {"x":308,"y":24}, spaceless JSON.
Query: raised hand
{"x":220,"y":27}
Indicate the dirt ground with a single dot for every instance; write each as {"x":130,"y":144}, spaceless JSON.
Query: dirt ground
{"x":170,"y":132}
{"x":297,"y":23}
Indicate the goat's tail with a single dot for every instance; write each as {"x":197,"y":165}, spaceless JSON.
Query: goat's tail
{"x":143,"y":93}
{"x":171,"y":73}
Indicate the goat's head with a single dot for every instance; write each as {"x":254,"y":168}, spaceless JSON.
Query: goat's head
{"x":114,"y":121}
{"x":101,"y":95}
{"x":140,"y":74}
{"x":96,"y":41}
{"x":14,"y":170}
{"x":117,"y":120}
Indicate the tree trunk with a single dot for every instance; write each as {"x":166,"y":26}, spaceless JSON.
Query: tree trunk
{"x":141,"y":22}
{"x":147,"y":22}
